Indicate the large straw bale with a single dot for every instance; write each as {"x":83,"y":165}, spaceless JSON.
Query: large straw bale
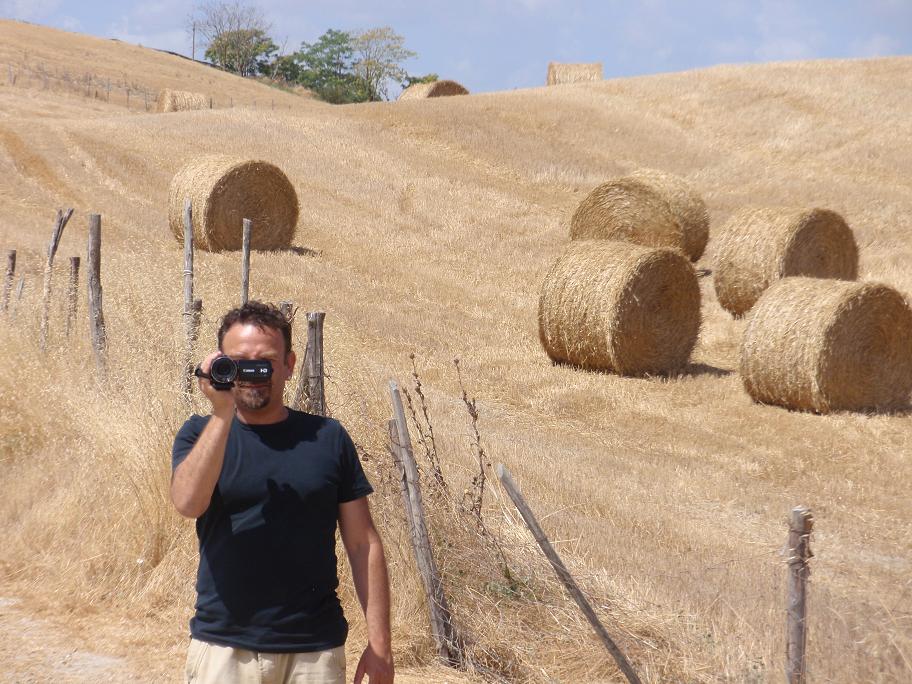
{"x":630,"y":210}
{"x":829,"y":345}
{"x":757,"y":246}
{"x":422,"y":91}
{"x":686,"y":204}
{"x":561,"y":72}
{"x":224,"y":191}
{"x":180,"y":100}
{"x":615,"y":306}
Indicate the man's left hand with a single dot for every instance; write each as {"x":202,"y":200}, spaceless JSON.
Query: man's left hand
{"x":377,"y":665}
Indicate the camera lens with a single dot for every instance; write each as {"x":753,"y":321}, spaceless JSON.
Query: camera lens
{"x":223,"y":369}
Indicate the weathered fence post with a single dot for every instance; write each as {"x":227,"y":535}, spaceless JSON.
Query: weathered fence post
{"x":506,"y":479}
{"x":8,"y":279}
{"x":191,"y":318}
{"x":310,"y":377}
{"x":442,"y":629}
{"x":285,"y":307}
{"x":245,"y":261}
{"x":59,"y":225}
{"x":93,"y":287}
{"x":72,"y":294}
{"x":799,"y":552}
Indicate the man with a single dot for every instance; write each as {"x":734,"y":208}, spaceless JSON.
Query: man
{"x":267,"y":486}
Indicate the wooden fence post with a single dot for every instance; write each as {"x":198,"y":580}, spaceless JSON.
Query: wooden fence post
{"x":285,"y":307}
{"x":310,"y":379}
{"x":72,"y":294}
{"x":801,"y":523}
{"x":8,"y":279}
{"x":59,"y":225}
{"x":93,"y":287}
{"x":245,"y":261}
{"x":506,"y":479}
{"x":442,"y":629}
{"x":190,"y":317}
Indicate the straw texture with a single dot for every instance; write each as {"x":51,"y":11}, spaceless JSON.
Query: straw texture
{"x":226,"y":190}
{"x":757,"y":246}
{"x":180,"y":100}
{"x":559,"y":72}
{"x":615,"y":306}
{"x":686,"y":205}
{"x":422,"y":91}
{"x":630,"y":210}
{"x":829,"y":345}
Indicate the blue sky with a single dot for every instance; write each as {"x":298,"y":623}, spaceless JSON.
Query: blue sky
{"x":498,"y":45}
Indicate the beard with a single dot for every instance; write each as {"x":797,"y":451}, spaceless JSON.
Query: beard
{"x":253,"y":397}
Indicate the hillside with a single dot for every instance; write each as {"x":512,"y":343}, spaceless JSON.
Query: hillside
{"x":427,"y":227}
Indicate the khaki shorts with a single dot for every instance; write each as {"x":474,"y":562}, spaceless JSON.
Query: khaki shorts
{"x":213,"y":664}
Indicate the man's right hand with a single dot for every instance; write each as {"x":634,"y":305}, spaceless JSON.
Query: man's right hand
{"x":222,"y":400}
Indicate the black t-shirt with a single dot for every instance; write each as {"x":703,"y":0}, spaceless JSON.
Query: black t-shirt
{"x":267,"y":575}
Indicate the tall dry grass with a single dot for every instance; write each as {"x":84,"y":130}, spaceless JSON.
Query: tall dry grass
{"x":427,"y":229}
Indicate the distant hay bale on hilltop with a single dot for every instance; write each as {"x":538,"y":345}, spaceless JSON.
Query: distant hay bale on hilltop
{"x":180,"y":101}
{"x":559,"y":72}
{"x":628,"y":209}
{"x":226,"y":190}
{"x":619,"y":307}
{"x":421,"y":91}
{"x":686,"y":204}
{"x":756,"y":247}
{"x":829,"y":345}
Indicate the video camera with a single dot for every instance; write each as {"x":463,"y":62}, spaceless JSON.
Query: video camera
{"x":224,"y":372}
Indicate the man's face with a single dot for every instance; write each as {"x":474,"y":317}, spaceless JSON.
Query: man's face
{"x":248,"y":341}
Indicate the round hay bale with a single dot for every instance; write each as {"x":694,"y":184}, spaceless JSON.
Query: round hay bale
{"x":630,"y":210}
{"x":686,"y":205}
{"x":226,"y":190}
{"x":180,"y":101}
{"x":562,"y":72}
{"x":422,"y":91}
{"x":760,"y":245}
{"x":615,"y":306}
{"x":829,"y":345}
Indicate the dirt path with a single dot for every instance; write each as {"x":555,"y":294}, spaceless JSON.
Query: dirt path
{"x":36,"y":648}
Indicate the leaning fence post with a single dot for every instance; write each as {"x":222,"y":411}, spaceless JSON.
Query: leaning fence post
{"x":310,"y":379}
{"x":188,"y":313}
{"x":506,"y":479}
{"x":72,"y":294}
{"x":801,"y":523}
{"x":8,"y":279}
{"x":59,"y":225}
{"x":245,"y":261}
{"x":93,"y":287}
{"x":442,"y":628}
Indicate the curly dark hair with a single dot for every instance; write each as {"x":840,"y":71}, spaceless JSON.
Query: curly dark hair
{"x":262,"y":315}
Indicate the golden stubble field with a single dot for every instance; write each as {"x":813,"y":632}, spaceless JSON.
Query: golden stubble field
{"x":427,"y":227}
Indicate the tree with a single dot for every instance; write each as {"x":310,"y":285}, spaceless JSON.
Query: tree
{"x":378,"y":53}
{"x":237,"y":35}
{"x":244,"y":51}
{"x":327,"y":68}
{"x":412,"y":80}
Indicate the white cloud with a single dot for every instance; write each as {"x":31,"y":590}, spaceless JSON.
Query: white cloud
{"x":28,"y":10}
{"x":877,"y":45}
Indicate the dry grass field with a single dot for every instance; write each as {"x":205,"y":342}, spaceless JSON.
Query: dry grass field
{"x":426,"y":227}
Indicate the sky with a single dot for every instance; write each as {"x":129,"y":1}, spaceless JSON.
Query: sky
{"x":502,"y":44}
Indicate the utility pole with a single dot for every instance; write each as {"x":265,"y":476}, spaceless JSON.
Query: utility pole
{"x":193,"y":41}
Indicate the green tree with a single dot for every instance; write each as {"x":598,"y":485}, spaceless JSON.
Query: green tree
{"x":378,"y":55}
{"x":412,"y":80}
{"x":243,"y":51}
{"x":326,"y":67}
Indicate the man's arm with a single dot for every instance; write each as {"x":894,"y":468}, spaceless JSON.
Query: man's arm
{"x":194,"y":480}
{"x":365,"y":554}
